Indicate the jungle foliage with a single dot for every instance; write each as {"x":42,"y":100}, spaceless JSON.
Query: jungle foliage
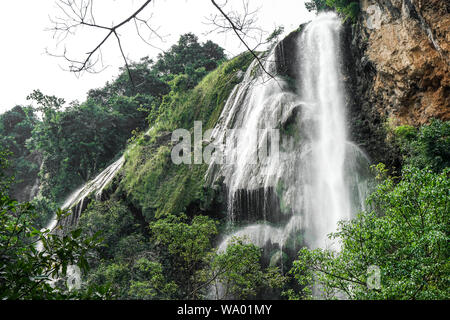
{"x":27,"y":272}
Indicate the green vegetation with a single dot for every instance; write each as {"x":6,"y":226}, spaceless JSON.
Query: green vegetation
{"x":16,"y":126}
{"x":136,"y":263}
{"x":25,"y":272}
{"x":404,"y":234}
{"x":160,"y":224}
{"x":427,"y":146}
{"x":186,"y":246}
{"x":197,"y":268}
{"x":80,"y":140}
{"x":151,"y":181}
{"x":74,"y":142}
{"x":123,"y":261}
{"x":176,"y":259}
{"x":348,"y":8}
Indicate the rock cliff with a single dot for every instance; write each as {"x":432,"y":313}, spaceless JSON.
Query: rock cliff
{"x":406,"y":43}
{"x":397,"y":71}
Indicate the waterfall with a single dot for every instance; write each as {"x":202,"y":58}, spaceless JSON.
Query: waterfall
{"x":312,"y":176}
{"x":77,"y":200}
{"x":34,"y":191}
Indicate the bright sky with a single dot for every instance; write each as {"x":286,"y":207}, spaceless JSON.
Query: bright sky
{"x":24,"y":65}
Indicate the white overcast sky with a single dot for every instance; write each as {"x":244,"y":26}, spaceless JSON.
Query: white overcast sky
{"x":24,"y":65}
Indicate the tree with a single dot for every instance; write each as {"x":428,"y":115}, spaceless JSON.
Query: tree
{"x":76,"y":14}
{"x":80,"y":140}
{"x":348,"y":8}
{"x":317,"y":5}
{"x":5,"y":181}
{"x":405,"y":236}
{"x":197,"y":268}
{"x":189,"y":245}
{"x":237,"y":272}
{"x":16,"y":126}
{"x":25,"y":271}
{"x":188,"y":53}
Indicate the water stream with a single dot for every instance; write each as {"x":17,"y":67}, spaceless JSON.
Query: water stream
{"x":312,"y":176}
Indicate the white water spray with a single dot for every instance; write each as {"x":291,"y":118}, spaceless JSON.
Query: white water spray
{"x":318,"y":177}
{"x":328,"y":190}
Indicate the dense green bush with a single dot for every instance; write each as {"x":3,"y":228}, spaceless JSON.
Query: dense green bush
{"x":427,"y":146}
{"x":113,"y":220}
{"x":348,"y":8}
{"x":187,"y":54}
{"x":405,"y":235}
{"x":46,"y":209}
{"x":146,"y":79}
{"x":78,"y":140}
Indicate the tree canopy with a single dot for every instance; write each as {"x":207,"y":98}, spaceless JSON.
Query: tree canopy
{"x":27,"y":272}
{"x":404,"y":236}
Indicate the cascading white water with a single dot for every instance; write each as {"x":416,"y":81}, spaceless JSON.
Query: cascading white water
{"x":95,"y":186}
{"x":248,"y":122}
{"x":318,"y":176}
{"x":328,"y":190}
{"x":75,"y":202}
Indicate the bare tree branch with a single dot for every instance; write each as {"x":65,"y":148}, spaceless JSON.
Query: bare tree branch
{"x":241,"y":25}
{"x":80,"y":13}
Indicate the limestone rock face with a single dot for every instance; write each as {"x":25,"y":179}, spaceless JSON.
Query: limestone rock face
{"x":403,"y":48}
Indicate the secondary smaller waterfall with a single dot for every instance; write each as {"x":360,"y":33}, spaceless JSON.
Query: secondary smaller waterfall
{"x":313,"y":176}
{"x":76,"y":200}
